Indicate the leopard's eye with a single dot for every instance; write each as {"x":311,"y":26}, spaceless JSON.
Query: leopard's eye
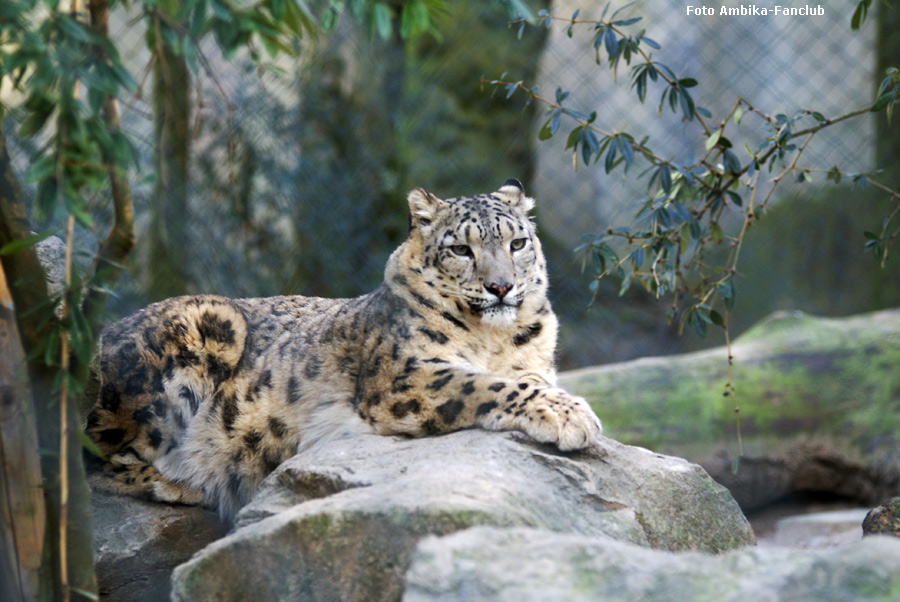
{"x":518,"y":244}
{"x":461,"y":250}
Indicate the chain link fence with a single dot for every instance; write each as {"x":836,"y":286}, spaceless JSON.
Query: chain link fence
{"x":298,"y":178}
{"x":808,"y":253}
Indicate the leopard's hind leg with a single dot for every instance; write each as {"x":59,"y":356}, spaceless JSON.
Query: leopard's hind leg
{"x":126,"y":420}
{"x":126,"y":474}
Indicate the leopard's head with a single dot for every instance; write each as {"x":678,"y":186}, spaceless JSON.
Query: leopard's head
{"x":480,"y":253}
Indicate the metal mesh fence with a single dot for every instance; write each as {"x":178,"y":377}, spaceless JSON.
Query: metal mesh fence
{"x":299,"y":178}
{"x":778,"y":63}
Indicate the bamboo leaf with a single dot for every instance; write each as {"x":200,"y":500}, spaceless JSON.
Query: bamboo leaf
{"x":29,"y":241}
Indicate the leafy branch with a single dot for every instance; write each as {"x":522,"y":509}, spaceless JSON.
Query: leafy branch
{"x":681,"y":220}
{"x":691,"y":210}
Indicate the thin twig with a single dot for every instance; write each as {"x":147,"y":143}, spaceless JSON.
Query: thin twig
{"x":640,"y":50}
{"x":115,"y":249}
{"x":788,"y":169}
{"x":64,"y":421}
{"x":729,"y":388}
{"x":64,"y":387}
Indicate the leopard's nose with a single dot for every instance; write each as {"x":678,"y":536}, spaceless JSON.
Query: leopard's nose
{"x":499,"y":290}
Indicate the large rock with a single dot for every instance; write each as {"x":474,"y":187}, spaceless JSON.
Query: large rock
{"x":883,"y":520}
{"x":816,"y":398}
{"x":340,"y":520}
{"x":138,"y":544}
{"x":531,"y":565}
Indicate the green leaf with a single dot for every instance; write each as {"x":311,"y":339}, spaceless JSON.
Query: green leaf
{"x":546,"y":131}
{"x":626,"y":284}
{"x":687,"y":103}
{"x":738,"y":115}
{"x":29,"y":241}
{"x":726,"y":291}
{"x":83,"y":592}
{"x":699,"y":320}
{"x":610,"y":161}
{"x":665,"y":178}
{"x":574,"y":136}
{"x":381,"y":19}
{"x":40,"y":110}
{"x":626,"y":149}
{"x":859,"y":15}
{"x":882,"y":101}
{"x":620,"y":9}
{"x":41,"y":169}
{"x":77,"y":209}
{"x":626,"y":22}
{"x":277,"y":8}
{"x":713,"y":139}
{"x":73,"y":28}
{"x":696,"y":231}
{"x":220,"y":10}
{"x":299,"y":19}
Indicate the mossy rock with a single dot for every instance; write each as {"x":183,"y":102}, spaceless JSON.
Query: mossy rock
{"x":818,"y":400}
{"x":792,"y":374}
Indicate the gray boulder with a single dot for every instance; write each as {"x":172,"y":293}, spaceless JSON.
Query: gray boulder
{"x":531,"y":565}
{"x":138,"y":544}
{"x":340,"y":520}
{"x":51,"y":253}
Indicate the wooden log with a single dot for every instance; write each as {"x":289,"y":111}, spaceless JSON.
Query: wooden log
{"x":21,"y":498}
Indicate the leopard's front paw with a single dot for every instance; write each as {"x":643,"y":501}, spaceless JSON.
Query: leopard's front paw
{"x":164,"y":490}
{"x":566,"y":420}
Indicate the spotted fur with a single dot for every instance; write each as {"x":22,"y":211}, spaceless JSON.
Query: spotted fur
{"x":196,"y":399}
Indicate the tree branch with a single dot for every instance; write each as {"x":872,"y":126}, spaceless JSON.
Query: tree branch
{"x":24,"y":273}
{"x":115,"y":249}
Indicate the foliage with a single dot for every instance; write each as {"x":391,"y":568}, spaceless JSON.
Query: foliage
{"x":691,"y":207}
{"x":69,"y":74}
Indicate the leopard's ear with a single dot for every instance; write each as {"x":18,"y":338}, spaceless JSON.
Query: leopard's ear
{"x":513,"y":193}
{"x":423,"y":206}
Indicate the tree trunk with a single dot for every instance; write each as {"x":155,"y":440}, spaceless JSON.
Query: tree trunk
{"x":887,"y":54}
{"x":24,"y":274}
{"x":169,"y":220}
{"x":21,"y":500}
{"x":28,"y":290}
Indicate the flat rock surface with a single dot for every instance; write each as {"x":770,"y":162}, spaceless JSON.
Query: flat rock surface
{"x":531,"y":565}
{"x":138,"y":544}
{"x":819,"y":530}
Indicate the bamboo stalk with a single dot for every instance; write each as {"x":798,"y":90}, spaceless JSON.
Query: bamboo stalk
{"x":64,"y":425}
{"x":64,"y":394}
